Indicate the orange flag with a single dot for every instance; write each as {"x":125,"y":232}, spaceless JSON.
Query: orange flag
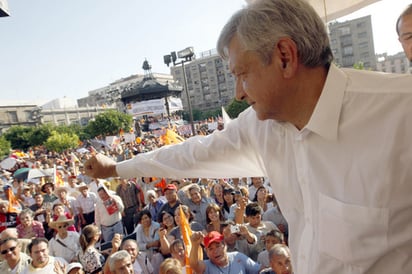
{"x":12,"y":201}
{"x":57,"y":178}
{"x":186,"y":233}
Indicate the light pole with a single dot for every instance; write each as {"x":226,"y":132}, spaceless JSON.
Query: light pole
{"x":186,"y":56}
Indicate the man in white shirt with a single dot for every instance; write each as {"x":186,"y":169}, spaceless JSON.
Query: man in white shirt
{"x":42,"y":262}
{"x":108,"y":214}
{"x":334,"y":143}
{"x":86,"y":203}
{"x":65,"y":243}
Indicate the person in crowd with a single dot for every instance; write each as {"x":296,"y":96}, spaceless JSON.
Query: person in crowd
{"x":58,"y":211}
{"x":153,"y":203}
{"x":130,"y":195}
{"x":238,"y":238}
{"x":11,"y":232}
{"x":48,"y":190}
{"x":90,"y":258}
{"x":176,"y":233}
{"x":75,"y":268}
{"x":167,"y":222}
{"x":197,"y":204}
{"x":177,"y":251}
{"x":27,"y":197}
{"x":217,"y":194}
{"x":29,"y":228}
{"x":147,"y":237}
{"x":14,"y":259}
{"x":171,"y":266}
{"x":86,"y":202}
{"x":258,"y":227}
{"x":7,"y":218}
{"x":72,"y":189}
{"x":274,"y":215}
{"x":307,"y":123}
{"x":141,"y":263}
{"x":65,"y":243}
{"x":108,"y":213}
{"x":271,"y":238}
{"x":404,"y":30}
{"x":173,"y":202}
{"x":280,"y":260}
{"x":255,"y":184}
{"x":262,"y":198}
{"x":41,"y":261}
{"x":214,"y":218}
{"x":121,"y":263}
{"x":220,"y":261}
{"x":229,"y":197}
{"x":40,"y":214}
{"x":69,"y":202}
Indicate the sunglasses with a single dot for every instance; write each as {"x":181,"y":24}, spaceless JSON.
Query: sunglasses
{"x":11,"y":249}
{"x":63,"y":226}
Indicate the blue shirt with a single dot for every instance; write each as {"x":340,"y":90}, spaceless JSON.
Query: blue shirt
{"x":239,"y":263}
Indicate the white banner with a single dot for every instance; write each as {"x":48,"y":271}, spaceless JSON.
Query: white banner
{"x":154,"y":107}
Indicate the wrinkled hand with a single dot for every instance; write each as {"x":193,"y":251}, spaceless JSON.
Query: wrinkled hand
{"x":59,"y":268}
{"x":100,"y":166}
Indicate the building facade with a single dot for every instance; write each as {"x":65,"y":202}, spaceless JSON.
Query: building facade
{"x":352,"y":43}
{"x":209,"y":82}
{"x":397,"y":63}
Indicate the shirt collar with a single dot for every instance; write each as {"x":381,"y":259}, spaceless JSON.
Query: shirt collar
{"x":325,"y":117}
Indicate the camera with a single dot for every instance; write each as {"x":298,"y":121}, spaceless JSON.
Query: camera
{"x":234,"y":229}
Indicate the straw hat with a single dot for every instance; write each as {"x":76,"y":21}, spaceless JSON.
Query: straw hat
{"x":60,"y":189}
{"x":61,"y":220}
{"x":81,"y":186}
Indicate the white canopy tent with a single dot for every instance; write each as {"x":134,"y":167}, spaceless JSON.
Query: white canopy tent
{"x":332,"y":9}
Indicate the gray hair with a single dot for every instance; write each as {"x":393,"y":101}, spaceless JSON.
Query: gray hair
{"x":407,"y":11}
{"x":279,"y":250}
{"x":260,"y":25}
{"x":117,"y":256}
{"x":26,"y":211}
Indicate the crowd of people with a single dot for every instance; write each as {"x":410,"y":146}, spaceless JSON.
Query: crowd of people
{"x":76,"y":223}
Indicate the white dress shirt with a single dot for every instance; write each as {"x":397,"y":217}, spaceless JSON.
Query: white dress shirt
{"x":343,"y":182}
{"x":72,"y":246}
{"x":102,"y":217}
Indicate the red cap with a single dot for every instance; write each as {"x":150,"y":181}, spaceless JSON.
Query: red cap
{"x":212,"y":237}
{"x":171,"y":187}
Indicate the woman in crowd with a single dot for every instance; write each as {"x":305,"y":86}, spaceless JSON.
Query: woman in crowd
{"x":29,"y":228}
{"x":146,"y":233}
{"x":262,"y":198}
{"x":218,"y":194}
{"x":167,"y":221}
{"x":214,"y":218}
{"x":229,"y":200}
{"x":90,"y":258}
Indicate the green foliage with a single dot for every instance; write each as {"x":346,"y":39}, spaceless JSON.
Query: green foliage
{"x":40,"y":134}
{"x":19,"y":137}
{"x":359,"y":65}
{"x":61,"y":141}
{"x":5,"y":147}
{"x":109,"y":123}
{"x":235,"y":108}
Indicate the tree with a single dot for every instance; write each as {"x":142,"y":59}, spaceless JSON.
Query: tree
{"x":109,"y":123}
{"x":61,"y":141}
{"x":4,"y":147}
{"x":40,"y":134}
{"x":19,"y":137}
{"x":235,"y":108}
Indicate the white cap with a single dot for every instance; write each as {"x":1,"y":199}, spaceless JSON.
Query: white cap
{"x":72,"y":266}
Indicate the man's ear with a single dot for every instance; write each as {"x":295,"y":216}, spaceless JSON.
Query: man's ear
{"x":287,"y":56}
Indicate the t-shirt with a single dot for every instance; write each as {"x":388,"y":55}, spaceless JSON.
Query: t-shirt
{"x":238,"y":263}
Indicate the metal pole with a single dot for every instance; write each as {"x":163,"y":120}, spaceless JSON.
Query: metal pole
{"x":188,"y":98}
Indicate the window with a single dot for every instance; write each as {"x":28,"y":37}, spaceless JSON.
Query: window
{"x":347,"y":51}
{"x":344,"y":30}
{"x":13,"y":116}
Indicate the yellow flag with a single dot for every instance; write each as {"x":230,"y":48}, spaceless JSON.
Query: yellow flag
{"x":186,"y":233}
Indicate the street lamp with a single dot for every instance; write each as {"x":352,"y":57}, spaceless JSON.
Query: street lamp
{"x":185,"y":55}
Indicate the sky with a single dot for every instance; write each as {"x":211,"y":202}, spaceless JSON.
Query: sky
{"x":53,"y":49}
